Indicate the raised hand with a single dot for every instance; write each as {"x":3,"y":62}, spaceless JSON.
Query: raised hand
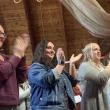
{"x":74,"y":59}
{"x":72,"y":68}
{"x":21,"y":44}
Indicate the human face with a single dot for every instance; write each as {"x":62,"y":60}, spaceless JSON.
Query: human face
{"x":50,"y":52}
{"x":95,"y":53}
{"x":2,"y":36}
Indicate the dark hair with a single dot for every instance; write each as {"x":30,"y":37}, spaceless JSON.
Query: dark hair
{"x":39,"y":52}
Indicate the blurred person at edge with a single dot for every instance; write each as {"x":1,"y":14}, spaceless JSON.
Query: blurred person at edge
{"x":51,"y":86}
{"x":12,"y":71}
{"x":93,"y":77}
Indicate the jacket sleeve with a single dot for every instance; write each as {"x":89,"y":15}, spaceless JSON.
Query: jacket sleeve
{"x":41,"y":76}
{"x":21,"y":71}
{"x":8,"y":67}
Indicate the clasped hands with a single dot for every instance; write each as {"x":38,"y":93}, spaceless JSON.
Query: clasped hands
{"x":61,"y":57}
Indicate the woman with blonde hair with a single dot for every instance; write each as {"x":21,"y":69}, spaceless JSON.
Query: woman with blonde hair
{"x":93,"y":76}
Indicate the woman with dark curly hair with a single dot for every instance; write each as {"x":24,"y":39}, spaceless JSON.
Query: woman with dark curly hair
{"x":51,"y":86}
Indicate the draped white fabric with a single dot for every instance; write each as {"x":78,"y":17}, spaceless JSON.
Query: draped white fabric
{"x":91,"y":15}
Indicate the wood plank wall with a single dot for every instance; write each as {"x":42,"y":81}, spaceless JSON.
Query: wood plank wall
{"x":46,"y":20}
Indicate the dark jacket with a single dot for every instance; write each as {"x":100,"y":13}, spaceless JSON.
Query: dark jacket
{"x":12,"y":72}
{"x":48,"y":93}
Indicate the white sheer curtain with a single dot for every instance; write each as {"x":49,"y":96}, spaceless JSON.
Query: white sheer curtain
{"x":91,"y":15}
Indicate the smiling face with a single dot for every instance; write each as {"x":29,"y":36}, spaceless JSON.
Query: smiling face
{"x":49,"y":51}
{"x":2,"y":36}
{"x":96,"y":53}
{"x":92,"y":52}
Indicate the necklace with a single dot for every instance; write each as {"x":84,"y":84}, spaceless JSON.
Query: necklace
{"x":98,"y":66}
